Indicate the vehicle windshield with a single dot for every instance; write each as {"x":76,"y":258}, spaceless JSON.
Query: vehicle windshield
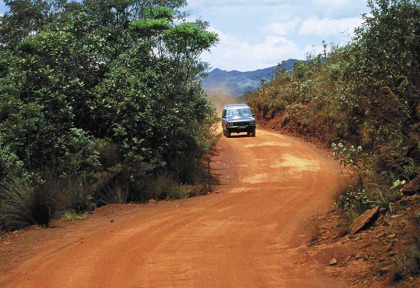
{"x":242,"y":112}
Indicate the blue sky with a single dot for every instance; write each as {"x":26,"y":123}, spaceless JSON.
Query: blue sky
{"x":257,"y":34}
{"x":261,"y":33}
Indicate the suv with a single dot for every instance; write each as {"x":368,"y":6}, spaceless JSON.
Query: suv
{"x":238,"y":118}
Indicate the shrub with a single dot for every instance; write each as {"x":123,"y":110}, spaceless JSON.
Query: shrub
{"x":79,"y":194}
{"x":73,"y":216}
{"x":108,"y":153}
{"x":354,"y":201}
{"x":364,"y":96}
{"x":81,"y":155}
{"x":406,"y":264}
{"x":161,"y":186}
{"x":24,"y":203}
{"x":96,"y":110}
{"x":15,"y":197}
{"x":191,"y":169}
{"x":114,"y":193}
{"x":10,"y":165}
{"x":184,"y":192}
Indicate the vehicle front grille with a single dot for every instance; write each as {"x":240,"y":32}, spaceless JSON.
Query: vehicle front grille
{"x":244,"y":123}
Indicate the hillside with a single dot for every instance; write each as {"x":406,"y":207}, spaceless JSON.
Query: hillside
{"x":237,"y":83}
{"x":363,"y":101}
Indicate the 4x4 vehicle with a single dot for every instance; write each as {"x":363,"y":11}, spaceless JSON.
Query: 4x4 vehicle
{"x":238,"y":118}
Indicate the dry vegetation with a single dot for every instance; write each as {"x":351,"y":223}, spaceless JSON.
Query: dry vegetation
{"x":362,"y":100}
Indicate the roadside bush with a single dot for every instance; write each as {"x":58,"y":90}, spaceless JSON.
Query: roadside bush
{"x":14,"y":212}
{"x":96,"y":112}
{"x":184,"y":192}
{"x":25,"y":204}
{"x":406,"y":264}
{"x":115,"y":193}
{"x":191,"y":169}
{"x":353,"y":201}
{"x":10,"y":165}
{"x":73,"y":216}
{"x":365,"y":96}
{"x":161,"y":186}
{"x":81,"y":155}
{"x":108,"y":153}
{"x":79,"y":193}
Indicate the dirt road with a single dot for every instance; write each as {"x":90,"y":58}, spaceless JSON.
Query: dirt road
{"x":248,"y":234}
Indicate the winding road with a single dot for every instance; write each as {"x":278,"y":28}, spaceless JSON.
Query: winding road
{"x":251,"y":232}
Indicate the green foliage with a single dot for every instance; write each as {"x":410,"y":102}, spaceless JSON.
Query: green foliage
{"x":354,"y":201}
{"x":101,"y":92}
{"x":185,"y":192}
{"x":10,"y":165}
{"x":24,"y":203}
{"x":14,"y":205}
{"x":160,"y":12}
{"x":351,"y":157}
{"x":149,"y":27}
{"x":79,"y":193}
{"x":190,"y":39}
{"x":364,"y":95}
{"x":73,"y":216}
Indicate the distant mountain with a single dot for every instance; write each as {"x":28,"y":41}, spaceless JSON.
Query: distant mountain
{"x":236,"y":82}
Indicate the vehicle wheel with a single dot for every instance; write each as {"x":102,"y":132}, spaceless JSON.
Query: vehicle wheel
{"x":248,"y":133}
{"x":228,"y":134}
{"x":254,"y":133}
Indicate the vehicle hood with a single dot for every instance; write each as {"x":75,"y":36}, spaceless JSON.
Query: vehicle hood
{"x":240,"y":119}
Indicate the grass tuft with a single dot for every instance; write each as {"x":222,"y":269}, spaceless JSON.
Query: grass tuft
{"x":73,"y":216}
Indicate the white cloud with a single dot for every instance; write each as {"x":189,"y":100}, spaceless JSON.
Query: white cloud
{"x":329,"y":27}
{"x":229,"y":6}
{"x":332,"y":2}
{"x":339,"y":3}
{"x":258,"y":34}
{"x":282,"y":28}
{"x":232,"y":3}
{"x":314,"y":50}
{"x":237,"y":54}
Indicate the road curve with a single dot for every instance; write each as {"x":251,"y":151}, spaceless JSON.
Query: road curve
{"x":248,"y":234}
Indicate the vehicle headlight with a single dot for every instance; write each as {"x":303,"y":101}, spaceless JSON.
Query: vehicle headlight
{"x":252,"y":123}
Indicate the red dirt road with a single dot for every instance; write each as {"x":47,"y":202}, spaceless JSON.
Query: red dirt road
{"x":249,"y":234}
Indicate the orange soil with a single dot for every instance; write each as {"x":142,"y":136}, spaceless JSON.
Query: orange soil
{"x":250,"y":233}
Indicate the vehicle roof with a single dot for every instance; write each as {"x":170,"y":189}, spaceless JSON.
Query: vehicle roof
{"x":236,"y":106}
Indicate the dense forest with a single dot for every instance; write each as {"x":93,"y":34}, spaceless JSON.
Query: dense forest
{"x":363,"y":100}
{"x":100,"y":102}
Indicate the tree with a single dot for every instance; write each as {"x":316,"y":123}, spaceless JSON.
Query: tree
{"x":105,"y":88}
